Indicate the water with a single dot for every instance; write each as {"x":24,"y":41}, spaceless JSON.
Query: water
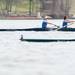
{"x":27,"y":58}
{"x":24,"y":58}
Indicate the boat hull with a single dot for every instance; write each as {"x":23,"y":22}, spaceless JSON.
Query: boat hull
{"x":48,"y":40}
{"x":40,"y":29}
{"x":66,"y":29}
{"x":52,"y":36}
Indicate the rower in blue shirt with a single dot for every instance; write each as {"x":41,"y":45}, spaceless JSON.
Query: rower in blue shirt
{"x":66,"y":21}
{"x":44,"y":24}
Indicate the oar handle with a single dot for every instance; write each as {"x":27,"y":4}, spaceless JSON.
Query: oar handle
{"x":72,"y":21}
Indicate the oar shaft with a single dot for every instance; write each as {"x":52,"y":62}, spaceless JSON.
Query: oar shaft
{"x":54,"y":25}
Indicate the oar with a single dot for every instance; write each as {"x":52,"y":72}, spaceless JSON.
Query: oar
{"x":58,"y":27}
{"x":54,"y":25}
{"x":64,"y":26}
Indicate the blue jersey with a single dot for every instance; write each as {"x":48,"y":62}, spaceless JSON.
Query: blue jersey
{"x":44,"y":24}
{"x":65,"y":23}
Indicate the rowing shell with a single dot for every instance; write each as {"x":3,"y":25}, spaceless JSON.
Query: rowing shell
{"x":47,"y":40}
{"x":56,"y":36}
{"x":40,"y":29}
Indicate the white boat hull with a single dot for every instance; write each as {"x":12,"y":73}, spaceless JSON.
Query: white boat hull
{"x":52,"y":35}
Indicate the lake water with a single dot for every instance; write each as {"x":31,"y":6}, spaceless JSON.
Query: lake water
{"x":27,"y":58}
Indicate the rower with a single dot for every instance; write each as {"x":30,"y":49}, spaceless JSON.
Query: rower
{"x":44,"y":23}
{"x":65,"y":22}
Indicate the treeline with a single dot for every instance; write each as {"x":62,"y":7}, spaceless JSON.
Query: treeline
{"x":18,"y":6}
